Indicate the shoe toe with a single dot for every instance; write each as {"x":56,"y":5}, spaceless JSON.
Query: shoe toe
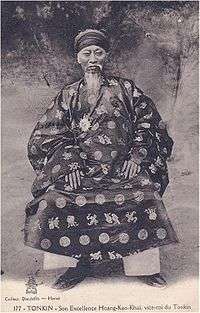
{"x":66,"y":283}
{"x":156,"y":281}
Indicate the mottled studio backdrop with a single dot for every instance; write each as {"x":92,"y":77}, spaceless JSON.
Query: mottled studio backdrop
{"x":155,"y":43}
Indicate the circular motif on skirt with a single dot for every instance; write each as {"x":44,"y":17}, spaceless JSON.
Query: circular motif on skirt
{"x":143,"y":234}
{"x":84,"y":240}
{"x":143,"y":153}
{"x":113,"y":154}
{"x":139,"y":196}
{"x":45,"y":244}
{"x":119,"y":199}
{"x":157,"y":186}
{"x":56,"y":169}
{"x":153,"y":216}
{"x":111,"y":124}
{"x":100,"y":199}
{"x":161,"y":233}
{"x":43,"y":119}
{"x":104,"y":238}
{"x":98,"y":155}
{"x":80,"y":200}
{"x":83,"y":155}
{"x":123,"y":238}
{"x":157,"y":196}
{"x":42,"y":204}
{"x":64,"y":241}
{"x":33,"y":150}
{"x":61,"y":202}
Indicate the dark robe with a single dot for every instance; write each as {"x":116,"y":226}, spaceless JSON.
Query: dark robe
{"x":108,"y":216}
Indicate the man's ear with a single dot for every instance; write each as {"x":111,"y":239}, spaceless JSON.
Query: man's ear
{"x":78,"y":58}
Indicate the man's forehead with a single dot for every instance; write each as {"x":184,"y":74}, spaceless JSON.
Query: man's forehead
{"x":92,"y":48}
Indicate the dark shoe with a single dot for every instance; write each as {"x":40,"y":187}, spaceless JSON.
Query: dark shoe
{"x":155,"y":280}
{"x":72,"y":277}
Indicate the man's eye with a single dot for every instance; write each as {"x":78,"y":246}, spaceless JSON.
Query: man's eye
{"x":86,"y":54}
{"x":99,"y":53}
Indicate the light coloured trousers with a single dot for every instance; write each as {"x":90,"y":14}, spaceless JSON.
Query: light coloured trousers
{"x":143,"y":263}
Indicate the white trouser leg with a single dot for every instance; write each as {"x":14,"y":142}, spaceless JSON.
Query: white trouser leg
{"x":53,"y":261}
{"x":143,"y":263}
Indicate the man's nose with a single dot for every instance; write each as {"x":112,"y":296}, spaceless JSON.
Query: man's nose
{"x":92,"y":58}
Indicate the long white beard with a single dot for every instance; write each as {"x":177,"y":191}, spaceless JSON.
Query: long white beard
{"x":93,"y":84}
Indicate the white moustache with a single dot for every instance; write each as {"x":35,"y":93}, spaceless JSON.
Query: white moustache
{"x":99,"y":66}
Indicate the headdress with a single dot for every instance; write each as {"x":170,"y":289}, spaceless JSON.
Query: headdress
{"x":91,"y":37}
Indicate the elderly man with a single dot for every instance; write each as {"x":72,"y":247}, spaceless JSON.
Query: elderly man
{"x":99,"y":153}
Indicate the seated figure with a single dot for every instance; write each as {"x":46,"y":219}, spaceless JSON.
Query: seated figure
{"x":99,"y":153}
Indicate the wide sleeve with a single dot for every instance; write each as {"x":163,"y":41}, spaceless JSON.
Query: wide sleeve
{"x":151,"y":143}
{"x":52,"y":149}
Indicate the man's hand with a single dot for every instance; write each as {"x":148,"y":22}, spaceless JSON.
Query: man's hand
{"x":74,"y":179}
{"x":130,"y":169}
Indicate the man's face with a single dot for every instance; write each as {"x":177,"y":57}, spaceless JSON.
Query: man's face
{"x":91,"y":58}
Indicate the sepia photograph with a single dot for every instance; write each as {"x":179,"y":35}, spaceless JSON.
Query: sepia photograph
{"x":100,"y":156}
